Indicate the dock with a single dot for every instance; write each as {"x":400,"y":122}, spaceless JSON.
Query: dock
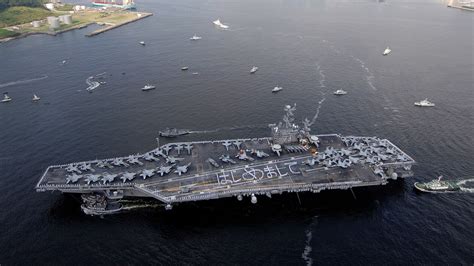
{"x":110,"y":26}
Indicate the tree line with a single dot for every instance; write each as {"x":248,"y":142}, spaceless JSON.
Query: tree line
{"x":9,"y":3}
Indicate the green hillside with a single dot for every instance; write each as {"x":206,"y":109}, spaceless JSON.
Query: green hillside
{"x":21,"y":14}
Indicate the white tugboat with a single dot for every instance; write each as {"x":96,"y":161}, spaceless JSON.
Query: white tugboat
{"x":35,"y":98}
{"x":148,"y":87}
{"x":387,"y":51}
{"x":195,"y":38}
{"x":184,"y":68}
{"x":277,"y":89}
{"x":253,"y":70}
{"x":142,"y":43}
{"x":424,"y":103}
{"x":340,"y":92}
{"x":6,"y":98}
{"x":437,"y":185}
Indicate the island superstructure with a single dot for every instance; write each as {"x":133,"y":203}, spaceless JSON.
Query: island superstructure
{"x":290,"y":160}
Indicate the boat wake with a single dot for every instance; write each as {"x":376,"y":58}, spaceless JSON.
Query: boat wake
{"x":92,"y":84}
{"x":315,"y":117}
{"x":228,"y":129}
{"x":464,"y":187}
{"x":322,"y":80}
{"x":307,"y":248}
{"x":370,"y":76}
{"x":23,"y":81}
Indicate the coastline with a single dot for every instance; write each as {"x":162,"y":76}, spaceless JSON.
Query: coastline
{"x":139,"y":16}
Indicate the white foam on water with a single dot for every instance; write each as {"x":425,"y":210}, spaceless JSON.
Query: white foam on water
{"x":315,"y":117}
{"x":307,"y":248}
{"x":23,"y":81}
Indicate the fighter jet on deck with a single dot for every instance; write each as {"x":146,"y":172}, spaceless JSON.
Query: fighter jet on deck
{"x":162,"y":170}
{"x":92,"y":178}
{"x":73,"y":178}
{"x":86,"y":167}
{"x":73,"y":168}
{"x":172,"y":160}
{"x":119,"y":162}
{"x":103,"y":164}
{"x":189,"y":147}
{"x":182,"y":169}
{"x":133,"y":160}
{"x":167,"y":149}
{"x":179,"y":148}
{"x":159,"y":152}
{"x":227,"y":144}
{"x":127,"y":176}
{"x":106,"y":177}
{"x":260,"y":154}
{"x":147,"y":173}
{"x":149,"y":157}
{"x":237,"y":143}
{"x":227,"y":159}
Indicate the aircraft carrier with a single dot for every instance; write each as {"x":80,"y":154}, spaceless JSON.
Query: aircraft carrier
{"x":290,"y":160}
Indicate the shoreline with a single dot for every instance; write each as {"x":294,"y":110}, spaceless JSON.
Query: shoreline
{"x":140,"y":15}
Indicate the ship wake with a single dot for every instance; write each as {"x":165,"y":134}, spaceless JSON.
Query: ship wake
{"x":23,"y":81}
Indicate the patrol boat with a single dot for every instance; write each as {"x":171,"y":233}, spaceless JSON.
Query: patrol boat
{"x":291,"y":159}
{"x":6,"y":98}
{"x":340,"y":92}
{"x":437,"y":186}
{"x":424,"y":103}
{"x":148,"y":87}
{"x":195,"y":38}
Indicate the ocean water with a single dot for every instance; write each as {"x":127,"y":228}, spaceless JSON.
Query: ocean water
{"x":310,"y":48}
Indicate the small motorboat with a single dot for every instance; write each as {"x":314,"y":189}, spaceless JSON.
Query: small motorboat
{"x":142,"y":43}
{"x":424,"y":103}
{"x":437,"y":186}
{"x":253,"y":70}
{"x":219,"y":24}
{"x":340,"y":92}
{"x":387,"y":51}
{"x":6,"y":98}
{"x":184,"y":68}
{"x":195,"y":73}
{"x":35,"y":98}
{"x":277,"y":89}
{"x":195,"y":38}
{"x":148,"y":87}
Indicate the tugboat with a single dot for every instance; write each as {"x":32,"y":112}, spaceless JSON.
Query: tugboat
{"x":173,"y":132}
{"x":253,"y":70}
{"x":6,"y":98}
{"x":148,"y":87}
{"x":437,"y":186}
{"x":184,"y":68}
{"x":387,"y":51}
{"x":340,"y":92}
{"x":142,"y":43}
{"x":424,"y":103}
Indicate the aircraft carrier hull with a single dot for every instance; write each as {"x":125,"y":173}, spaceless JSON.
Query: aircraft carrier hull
{"x":251,"y":168}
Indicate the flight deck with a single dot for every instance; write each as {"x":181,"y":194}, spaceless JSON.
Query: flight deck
{"x":291,"y":160}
